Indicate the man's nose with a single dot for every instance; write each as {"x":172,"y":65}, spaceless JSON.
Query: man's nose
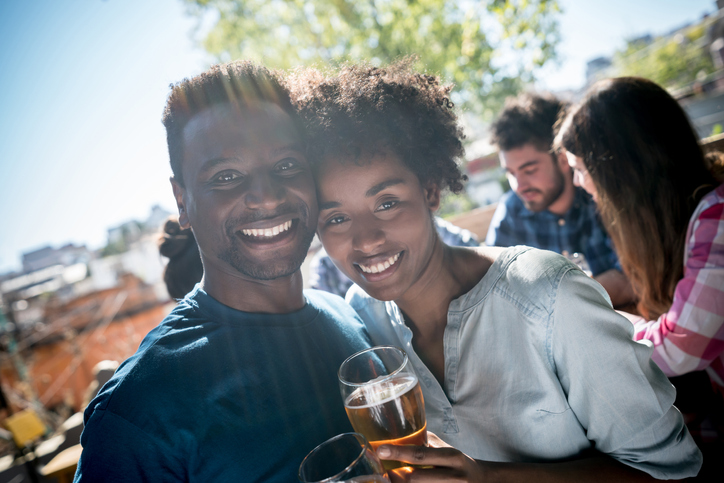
{"x":264,"y":193}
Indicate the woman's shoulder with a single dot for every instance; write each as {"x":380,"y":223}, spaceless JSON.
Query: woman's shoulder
{"x":709,"y":210}
{"x":526,"y":276}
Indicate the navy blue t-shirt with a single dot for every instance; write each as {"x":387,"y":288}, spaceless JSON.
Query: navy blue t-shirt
{"x":215,"y":394}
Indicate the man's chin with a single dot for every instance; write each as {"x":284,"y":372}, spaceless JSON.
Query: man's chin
{"x":534,"y":207}
{"x":276,"y":264}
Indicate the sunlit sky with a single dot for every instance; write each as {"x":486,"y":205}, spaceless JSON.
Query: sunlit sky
{"x":83,"y":84}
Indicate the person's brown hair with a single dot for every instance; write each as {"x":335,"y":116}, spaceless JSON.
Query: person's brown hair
{"x":184,"y":268}
{"x":527,"y":119}
{"x":649,"y":171}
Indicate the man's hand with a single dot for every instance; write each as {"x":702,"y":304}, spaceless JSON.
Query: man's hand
{"x":440,"y":462}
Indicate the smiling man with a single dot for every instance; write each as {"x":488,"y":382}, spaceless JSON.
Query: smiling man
{"x":544,"y":209}
{"x":239,"y":382}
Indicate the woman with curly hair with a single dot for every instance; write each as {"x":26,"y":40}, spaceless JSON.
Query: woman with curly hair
{"x":524,"y":366}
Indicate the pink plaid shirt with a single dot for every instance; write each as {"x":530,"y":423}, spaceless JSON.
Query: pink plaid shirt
{"x":690,"y":336}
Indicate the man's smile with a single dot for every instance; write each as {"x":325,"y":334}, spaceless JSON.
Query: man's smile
{"x":268,"y":232}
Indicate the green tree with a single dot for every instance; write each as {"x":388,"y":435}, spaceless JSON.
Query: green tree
{"x":488,"y":48}
{"x":671,"y":61}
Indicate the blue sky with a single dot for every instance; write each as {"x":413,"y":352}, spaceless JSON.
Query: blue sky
{"x":83,"y":84}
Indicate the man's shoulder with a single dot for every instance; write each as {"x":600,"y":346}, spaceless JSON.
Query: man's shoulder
{"x":358,"y":299}
{"x":335,"y":309}
{"x":323,"y":300}
{"x":511,"y":202}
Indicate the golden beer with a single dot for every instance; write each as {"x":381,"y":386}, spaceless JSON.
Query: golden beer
{"x":389,"y":412}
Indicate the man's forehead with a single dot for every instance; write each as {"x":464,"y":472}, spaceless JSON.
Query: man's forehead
{"x":522,"y":154}
{"x":221,"y":119}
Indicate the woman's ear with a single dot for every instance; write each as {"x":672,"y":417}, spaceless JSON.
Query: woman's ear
{"x":432,"y":196}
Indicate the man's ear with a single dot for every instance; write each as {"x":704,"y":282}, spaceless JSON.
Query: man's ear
{"x":432,"y":196}
{"x":178,"y":192}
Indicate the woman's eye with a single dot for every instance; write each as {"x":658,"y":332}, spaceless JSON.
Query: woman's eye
{"x":336,"y":220}
{"x":386,"y":205}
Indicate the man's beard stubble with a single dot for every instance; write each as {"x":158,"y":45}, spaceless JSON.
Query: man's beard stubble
{"x":275,"y":268}
{"x":550,"y":196}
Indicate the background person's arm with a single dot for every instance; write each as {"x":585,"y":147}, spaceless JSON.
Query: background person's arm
{"x":617,"y":286}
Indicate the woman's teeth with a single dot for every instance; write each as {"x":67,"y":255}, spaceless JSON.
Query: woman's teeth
{"x":268,"y":232}
{"x":382,"y":266}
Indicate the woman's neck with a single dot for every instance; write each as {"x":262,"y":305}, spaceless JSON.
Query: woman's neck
{"x":450,"y":273}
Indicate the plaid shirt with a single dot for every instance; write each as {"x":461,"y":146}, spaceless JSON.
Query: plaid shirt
{"x":690,"y":336}
{"x":324,"y":275}
{"x":578,"y":231}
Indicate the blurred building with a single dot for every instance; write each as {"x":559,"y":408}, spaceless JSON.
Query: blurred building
{"x":598,"y":68}
{"x":45,"y":257}
{"x":484,"y":179}
{"x":72,"y":271}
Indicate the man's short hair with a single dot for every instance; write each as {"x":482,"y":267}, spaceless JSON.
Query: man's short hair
{"x":527,"y":119}
{"x":237,"y":83}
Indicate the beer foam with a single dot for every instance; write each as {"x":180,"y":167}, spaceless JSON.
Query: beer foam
{"x":387,"y":390}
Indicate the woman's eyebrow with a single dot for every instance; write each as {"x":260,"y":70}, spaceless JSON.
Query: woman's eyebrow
{"x":380,"y":186}
{"x":329,"y":204}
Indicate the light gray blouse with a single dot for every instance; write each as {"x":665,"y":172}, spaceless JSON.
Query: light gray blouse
{"x":539,"y":368}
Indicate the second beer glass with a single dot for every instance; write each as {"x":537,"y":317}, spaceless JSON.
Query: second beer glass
{"x":382,"y":397}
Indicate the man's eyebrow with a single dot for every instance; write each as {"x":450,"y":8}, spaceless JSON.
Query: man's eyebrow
{"x":214,"y":162}
{"x":380,"y":186}
{"x":296,"y":146}
{"x":527,"y":164}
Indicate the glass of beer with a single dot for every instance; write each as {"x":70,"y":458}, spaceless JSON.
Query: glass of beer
{"x":382,"y":397}
{"x":345,"y":458}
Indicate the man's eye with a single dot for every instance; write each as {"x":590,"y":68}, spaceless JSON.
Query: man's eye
{"x":386,"y":205}
{"x":287,"y":164}
{"x":226,"y":177}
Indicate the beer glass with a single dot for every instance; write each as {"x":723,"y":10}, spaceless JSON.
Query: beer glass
{"x":580,"y":260}
{"x":382,"y":397}
{"x":345,"y":458}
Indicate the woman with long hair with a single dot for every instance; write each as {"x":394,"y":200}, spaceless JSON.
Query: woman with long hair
{"x":632,"y":147}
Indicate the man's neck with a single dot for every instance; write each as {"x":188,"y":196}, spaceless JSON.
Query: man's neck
{"x":279,"y":296}
{"x":564,"y":202}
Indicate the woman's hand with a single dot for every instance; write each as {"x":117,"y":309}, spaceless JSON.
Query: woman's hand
{"x":440,"y":461}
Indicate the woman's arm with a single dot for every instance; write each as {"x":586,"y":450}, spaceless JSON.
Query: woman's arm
{"x":441,"y":462}
{"x":687,"y":338}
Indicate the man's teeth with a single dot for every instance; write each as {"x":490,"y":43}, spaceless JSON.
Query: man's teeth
{"x":268,"y":232}
{"x":382,"y":266}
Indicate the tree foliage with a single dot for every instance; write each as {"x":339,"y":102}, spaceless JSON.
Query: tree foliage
{"x":672,"y":61}
{"x":488,"y":48}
